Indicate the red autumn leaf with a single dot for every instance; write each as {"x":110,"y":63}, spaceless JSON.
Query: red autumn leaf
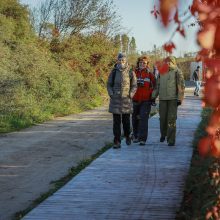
{"x":155,"y":12}
{"x":193,"y":7}
{"x":162,"y":67}
{"x":203,"y":52}
{"x":215,"y":147}
{"x":206,"y":36}
{"x":181,"y":31}
{"x":166,"y":7}
{"x":217,"y":40}
{"x":212,"y":91}
{"x":176,"y":17}
{"x":215,"y":118}
{"x":204,"y":146}
{"x":208,"y":215}
{"x":202,"y":7}
{"x":213,"y":64}
{"x":169,"y":47}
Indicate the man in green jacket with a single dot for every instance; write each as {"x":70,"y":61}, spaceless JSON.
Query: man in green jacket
{"x":170,"y":88}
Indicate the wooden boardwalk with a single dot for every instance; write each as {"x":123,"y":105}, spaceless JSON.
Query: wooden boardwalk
{"x":133,"y":182}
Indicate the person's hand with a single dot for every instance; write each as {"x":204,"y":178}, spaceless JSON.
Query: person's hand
{"x":179,"y":102}
{"x":153,"y":103}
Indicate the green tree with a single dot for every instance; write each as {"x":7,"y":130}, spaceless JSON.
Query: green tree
{"x":117,"y":41}
{"x":125,"y":43}
{"x":132,"y":46}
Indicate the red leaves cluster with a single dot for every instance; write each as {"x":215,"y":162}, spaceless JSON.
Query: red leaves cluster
{"x":162,"y":66}
{"x":166,"y":8}
{"x":169,"y":47}
{"x":208,"y":37}
{"x":210,"y":145}
{"x":208,"y":15}
{"x":181,"y":30}
{"x":212,"y":91}
{"x":213,"y":213}
{"x":155,"y":12}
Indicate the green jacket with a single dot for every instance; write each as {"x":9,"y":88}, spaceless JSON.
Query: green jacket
{"x":170,"y":86}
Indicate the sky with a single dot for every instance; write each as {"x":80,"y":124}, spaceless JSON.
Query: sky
{"x":147,"y":31}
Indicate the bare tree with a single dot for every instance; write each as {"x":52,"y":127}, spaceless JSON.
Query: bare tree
{"x":107,"y":21}
{"x":41,"y":16}
{"x":75,"y":16}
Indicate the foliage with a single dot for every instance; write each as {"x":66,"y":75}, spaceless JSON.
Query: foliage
{"x":44,"y":78}
{"x":14,"y":22}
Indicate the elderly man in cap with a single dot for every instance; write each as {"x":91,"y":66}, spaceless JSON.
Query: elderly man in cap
{"x":170,"y":88}
{"x":121,"y":88}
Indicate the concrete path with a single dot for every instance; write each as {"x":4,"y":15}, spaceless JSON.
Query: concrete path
{"x":32,"y":158}
{"x":133,"y":182}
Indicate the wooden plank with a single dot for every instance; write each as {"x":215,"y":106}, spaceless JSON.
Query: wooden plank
{"x":133,"y":182}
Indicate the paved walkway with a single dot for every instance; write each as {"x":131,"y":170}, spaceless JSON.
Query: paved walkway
{"x":133,"y":182}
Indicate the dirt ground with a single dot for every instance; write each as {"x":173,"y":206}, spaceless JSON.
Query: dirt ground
{"x":30,"y":159}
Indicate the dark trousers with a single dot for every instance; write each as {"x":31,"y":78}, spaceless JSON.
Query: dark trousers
{"x":117,"y":120}
{"x":168,"y":116}
{"x":140,"y":118}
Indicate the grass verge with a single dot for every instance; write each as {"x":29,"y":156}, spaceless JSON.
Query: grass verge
{"x":198,"y":193}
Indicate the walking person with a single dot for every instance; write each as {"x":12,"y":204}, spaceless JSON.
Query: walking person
{"x":155,"y":71}
{"x":196,"y":79}
{"x":170,"y":88}
{"x":142,"y":100}
{"x":121,"y":88}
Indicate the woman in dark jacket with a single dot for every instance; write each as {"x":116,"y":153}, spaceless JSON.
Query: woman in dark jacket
{"x":121,"y":87}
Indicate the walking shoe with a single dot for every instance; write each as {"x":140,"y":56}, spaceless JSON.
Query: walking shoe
{"x":128,"y":140}
{"x":117,"y":145}
{"x":162,"y":139}
{"x":171,"y":144}
{"x":135,"y":140}
{"x":142,"y":143}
